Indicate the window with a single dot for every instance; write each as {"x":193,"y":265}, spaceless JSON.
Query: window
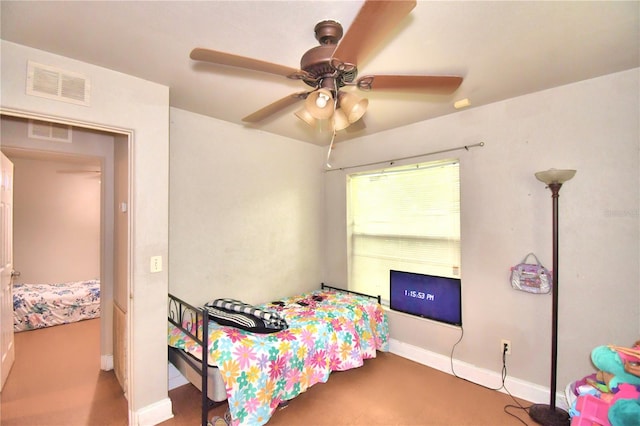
{"x":405,"y":218}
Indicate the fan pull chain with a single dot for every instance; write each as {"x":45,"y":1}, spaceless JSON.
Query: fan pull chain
{"x":333,"y":137}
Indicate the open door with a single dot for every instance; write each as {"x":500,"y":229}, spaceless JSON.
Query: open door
{"x":7,"y":351}
{"x":121,"y":261}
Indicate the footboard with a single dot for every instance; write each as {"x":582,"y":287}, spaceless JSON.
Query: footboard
{"x":186,"y":318}
{"x":378,"y":298}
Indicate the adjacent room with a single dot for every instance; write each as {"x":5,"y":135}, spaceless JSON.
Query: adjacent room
{"x":56,"y":230}
{"x":261,"y":149}
{"x":63,"y":251}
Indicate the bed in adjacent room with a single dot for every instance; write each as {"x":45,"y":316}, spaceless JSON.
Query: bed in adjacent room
{"x":326,"y":330}
{"x":45,"y":305}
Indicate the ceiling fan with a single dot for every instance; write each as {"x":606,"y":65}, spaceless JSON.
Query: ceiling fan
{"x":333,"y":64}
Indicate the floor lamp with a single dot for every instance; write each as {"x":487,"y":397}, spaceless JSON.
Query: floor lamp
{"x":550,"y":415}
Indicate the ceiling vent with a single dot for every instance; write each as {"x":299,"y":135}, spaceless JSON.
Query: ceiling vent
{"x":54,"y":132}
{"x":55,"y":83}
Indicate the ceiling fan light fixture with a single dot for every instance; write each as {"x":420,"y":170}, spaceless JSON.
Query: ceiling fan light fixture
{"x":340,"y":121}
{"x":322,"y":99}
{"x":320,"y":104}
{"x":353,"y":106}
{"x":305,"y":116}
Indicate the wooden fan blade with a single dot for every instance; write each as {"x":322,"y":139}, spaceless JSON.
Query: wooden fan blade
{"x":441,"y":85}
{"x":275,"y":107}
{"x":375,"y":20}
{"x":221,"y":58}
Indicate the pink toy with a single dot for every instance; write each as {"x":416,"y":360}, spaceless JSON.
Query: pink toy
{"x":592,"y":410}
{"x":595,"y":411}
{"x":628,"y":354}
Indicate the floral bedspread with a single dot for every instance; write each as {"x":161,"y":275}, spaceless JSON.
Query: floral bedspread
{"x":45,"y":305}
{"x":329,"y":331}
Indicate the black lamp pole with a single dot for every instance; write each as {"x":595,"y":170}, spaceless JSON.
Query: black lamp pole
{"x":550,"y":415}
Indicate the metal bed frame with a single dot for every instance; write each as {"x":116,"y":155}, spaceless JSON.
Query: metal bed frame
{"x":179,"y":311}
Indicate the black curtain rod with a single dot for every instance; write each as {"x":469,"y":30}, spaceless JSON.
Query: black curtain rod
{"x":390,"y":162}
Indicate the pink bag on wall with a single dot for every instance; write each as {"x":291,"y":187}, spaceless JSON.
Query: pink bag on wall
{"x":531,"y":277}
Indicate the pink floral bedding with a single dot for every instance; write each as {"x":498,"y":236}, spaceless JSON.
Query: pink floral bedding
{"x":261,"y":371}
{"x":45,"y":305}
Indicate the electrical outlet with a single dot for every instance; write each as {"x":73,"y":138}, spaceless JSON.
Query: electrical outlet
{"x":507,"y":343}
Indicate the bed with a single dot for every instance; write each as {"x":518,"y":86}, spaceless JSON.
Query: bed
{"x":44,"y":305}
{"x":326,"y":330}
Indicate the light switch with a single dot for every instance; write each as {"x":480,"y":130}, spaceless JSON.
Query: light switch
{"x":156,"y":264}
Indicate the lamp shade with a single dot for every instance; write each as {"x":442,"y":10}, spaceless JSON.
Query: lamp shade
{"x":305,"y":116}
{"x":320,"y":104}
{"x":340,"y":121}
{"x":555,"y":176}
{"x":353,"y":106}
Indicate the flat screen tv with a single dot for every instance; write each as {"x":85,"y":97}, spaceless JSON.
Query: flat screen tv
{"x":427,"y":296}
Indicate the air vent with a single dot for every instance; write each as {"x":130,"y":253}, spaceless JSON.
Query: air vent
{"x":45,"y":130}
{"x":54,"y":83}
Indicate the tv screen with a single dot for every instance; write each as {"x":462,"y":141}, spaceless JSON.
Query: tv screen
{"x":427,"y":296}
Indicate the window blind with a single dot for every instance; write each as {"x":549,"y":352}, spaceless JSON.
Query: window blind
{"x":405,"y":218}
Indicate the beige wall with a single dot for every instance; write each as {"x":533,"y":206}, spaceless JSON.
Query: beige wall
{"x":245,"y":212}
{"x":58,"y":219}
{"x":592,"y":126}
{"x":56,"y":225}
{"x":139,"y":109}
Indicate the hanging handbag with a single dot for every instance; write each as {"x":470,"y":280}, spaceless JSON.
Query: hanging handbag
{"x":531,"y":277}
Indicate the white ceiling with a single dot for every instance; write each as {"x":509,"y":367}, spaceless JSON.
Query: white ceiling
{"x":502,"y":49}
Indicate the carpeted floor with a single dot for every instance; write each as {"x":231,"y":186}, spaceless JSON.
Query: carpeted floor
{"x":56,"y":380}
{"x":387,"y":390}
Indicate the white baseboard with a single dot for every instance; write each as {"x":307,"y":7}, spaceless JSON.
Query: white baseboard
{"x":518,"y":388}
{"x":153,"y":414}
{"x":106,"y":362}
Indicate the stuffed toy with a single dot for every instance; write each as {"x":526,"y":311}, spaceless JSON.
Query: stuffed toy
{"x":609,"y":360}
{"x":625,"y":412}
{"x":624,"y":399}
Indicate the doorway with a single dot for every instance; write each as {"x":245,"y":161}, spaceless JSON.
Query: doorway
{"x":108,"y":151}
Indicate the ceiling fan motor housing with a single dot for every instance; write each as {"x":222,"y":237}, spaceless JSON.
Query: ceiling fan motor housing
{"x":318,"y":63}
{"x":328,"y":32}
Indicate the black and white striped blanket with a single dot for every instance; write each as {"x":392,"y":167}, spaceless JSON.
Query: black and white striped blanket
{"x":238,"y":314}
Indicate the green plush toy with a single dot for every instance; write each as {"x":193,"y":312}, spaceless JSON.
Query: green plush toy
{"x":625,"y":407}
{"x":625,"y":412}
{"x":611,"y":366}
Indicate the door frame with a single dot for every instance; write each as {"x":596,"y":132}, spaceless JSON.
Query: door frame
{"x":128,"y":133}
